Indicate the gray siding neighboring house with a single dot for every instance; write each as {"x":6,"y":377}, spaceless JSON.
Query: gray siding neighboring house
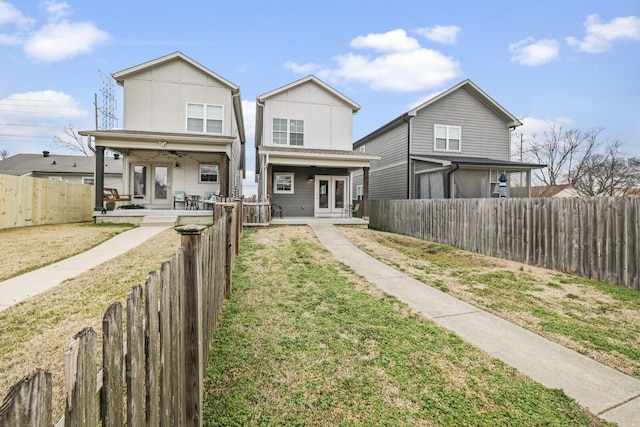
{"x":78,"y":169}
{"x":455,"y":145}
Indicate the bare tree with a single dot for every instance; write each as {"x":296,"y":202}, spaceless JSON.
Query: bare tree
{"x":72,"y":141}
{"x":563,"y":151}
{"x":4,"y":153}
{"x":606,"y":173}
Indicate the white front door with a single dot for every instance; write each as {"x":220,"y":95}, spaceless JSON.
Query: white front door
{"x":152,"y":185}
{"x":331,"y":195}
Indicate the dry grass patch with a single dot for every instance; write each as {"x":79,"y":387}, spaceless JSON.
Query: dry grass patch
{"x":594,"y":318}
{"x":28,"y":248}
{"x":37,"y":332}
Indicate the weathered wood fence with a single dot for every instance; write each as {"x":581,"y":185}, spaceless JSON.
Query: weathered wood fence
{"x":36,"y":201}
{"x":155,"y":377}
{"x":256,"y":214}
{"x":597,"y":238}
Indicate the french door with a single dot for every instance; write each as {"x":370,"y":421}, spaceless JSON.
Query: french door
{"x":331,"y":195}
{"x":151,"y":183}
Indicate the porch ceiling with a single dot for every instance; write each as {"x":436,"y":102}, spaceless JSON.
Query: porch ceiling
{"x":122,"y":140}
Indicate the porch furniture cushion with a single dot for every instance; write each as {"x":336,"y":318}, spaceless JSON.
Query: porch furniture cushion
{"x":179,"y":197}
{"x":209,"y":199}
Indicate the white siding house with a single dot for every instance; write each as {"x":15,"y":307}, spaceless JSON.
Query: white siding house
{"x":183,"y":130}
{"x":304,"y":155}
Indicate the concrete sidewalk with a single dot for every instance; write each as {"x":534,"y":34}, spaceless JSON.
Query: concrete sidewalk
{"x":606,"y":392}
{"x":19,"y":288}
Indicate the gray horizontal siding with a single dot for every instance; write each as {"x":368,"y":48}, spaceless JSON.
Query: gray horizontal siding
{"x":484,"y":133}
{"x":388,"y":176}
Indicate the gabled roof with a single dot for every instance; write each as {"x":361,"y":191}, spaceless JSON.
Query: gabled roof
{"x":33,"y":164}
{"x":468,"y":85}
{"x":120,"y":76}
{"x":478,"y":93}
{"x":566,"y":190}
{"x":311,"y":78}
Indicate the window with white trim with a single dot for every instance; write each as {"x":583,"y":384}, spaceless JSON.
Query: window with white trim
{"x":55,"y":178}
{"x":359,"y":192}
{"x":361,"y":149}
{"x":208,"y":173}
{"x":447,"y":138}
{"x":283,"y":183}
{"x":204,"y":118}
{"x":87,"y":180}
{"x":288,"y":132}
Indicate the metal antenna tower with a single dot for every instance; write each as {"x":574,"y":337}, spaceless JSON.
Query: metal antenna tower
{"x":107,"y":111}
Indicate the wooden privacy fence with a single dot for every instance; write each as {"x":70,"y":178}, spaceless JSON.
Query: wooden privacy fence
{"x":597,"y":238}
{"x":155,"y":377}
{"x":36,"y":201}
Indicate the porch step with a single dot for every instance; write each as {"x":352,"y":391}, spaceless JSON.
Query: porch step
{"x":150,"y":220}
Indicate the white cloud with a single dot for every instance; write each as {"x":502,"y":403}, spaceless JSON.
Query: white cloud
{"x":534,"y":53}
{"x":249,"y":115}
{"x":301,"y":68}
{"x":599,"y":36}
{"x":48,"y":104}
{"x":11,"y":15}
{"x":532,"y":126}
{"x":391,"y":41}
{"x":58,"y":41}
{"x":402,"y":66}
{"x":447,"y":34}
{"x":56,"y":10}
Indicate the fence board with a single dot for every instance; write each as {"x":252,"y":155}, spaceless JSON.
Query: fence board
{"x":135,"y":358}
{"x":595,"y":238}
{"x":28,"y":402}
{"x":80,"y":381}
{"x":112,"y":367}
{"x":167,"y":402}
{"x":152,"y":351}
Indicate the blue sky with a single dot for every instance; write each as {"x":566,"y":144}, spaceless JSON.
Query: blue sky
{"x":571,"y":62}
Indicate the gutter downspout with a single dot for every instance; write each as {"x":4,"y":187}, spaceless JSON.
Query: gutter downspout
{"x":449,"y":176}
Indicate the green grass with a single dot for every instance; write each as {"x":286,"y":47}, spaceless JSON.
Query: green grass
{"x":304,"y":342}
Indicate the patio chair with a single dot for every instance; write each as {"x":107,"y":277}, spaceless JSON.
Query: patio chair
{"x":276,"y":209}
{"x":350,"y":210}
{"x":112,"y":194}
{"x":179,"y":197}
{"x":209,"y":199}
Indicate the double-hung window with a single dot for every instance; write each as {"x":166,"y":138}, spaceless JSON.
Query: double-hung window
{"x":205,"y":118}
{"x":447,"y":138}
{"x":288,"y":132}
{"x":208,"y":173}
{"x":283,"y":183}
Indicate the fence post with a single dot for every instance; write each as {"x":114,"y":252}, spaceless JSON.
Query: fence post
{"x":228,"y":212}
{"x":28,"y":402}
{"x":192,"y":282}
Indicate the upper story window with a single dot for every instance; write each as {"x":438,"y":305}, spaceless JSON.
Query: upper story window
{"x":288,"y":132}
{"x":447,"y":138}
{"x":361,"y":149}
{"x":205,"y":118}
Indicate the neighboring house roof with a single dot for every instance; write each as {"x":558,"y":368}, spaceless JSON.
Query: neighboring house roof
{"x":466,"y":84}
{"x":310,"y":78}
{"x":629,"y":191}
{"x":566,"y":190}
{"x":38,"y":164}
{"x":475,"y":161}
{"x":121,"y":76}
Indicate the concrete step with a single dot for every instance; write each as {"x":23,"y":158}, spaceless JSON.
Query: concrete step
{"x":150,"y":220}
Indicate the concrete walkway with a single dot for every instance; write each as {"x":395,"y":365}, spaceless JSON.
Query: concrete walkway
{"x":19,"y":288}
{"x":606,"y":392}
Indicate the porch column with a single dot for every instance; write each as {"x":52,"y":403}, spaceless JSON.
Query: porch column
{"x":270,"y":180}
{"x":365,"y":192}
{"x":99,"y":180}
{"x":224,"y":175}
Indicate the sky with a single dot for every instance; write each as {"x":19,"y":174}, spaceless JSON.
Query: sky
{"x":569,"y":63}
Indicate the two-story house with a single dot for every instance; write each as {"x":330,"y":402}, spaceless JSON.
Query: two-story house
{"x":304,"y":152}
{"x":455,"y":145}
{"x":183,"y":130}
